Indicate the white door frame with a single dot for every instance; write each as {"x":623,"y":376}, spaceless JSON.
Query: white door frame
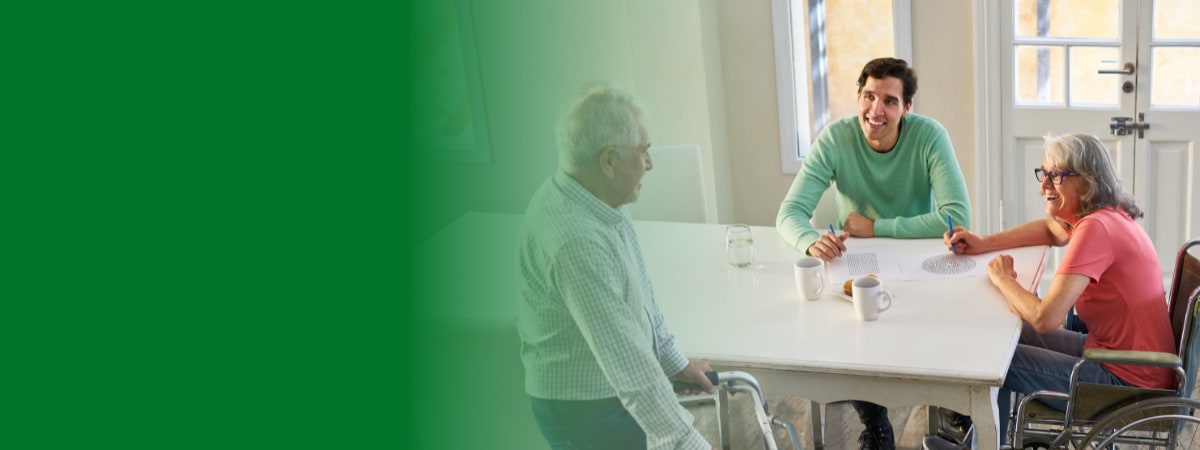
{"x":988,"y":119}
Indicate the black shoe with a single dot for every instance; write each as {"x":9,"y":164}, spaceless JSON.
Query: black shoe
{"x":955,"y":427}
{"x":877,"y":436}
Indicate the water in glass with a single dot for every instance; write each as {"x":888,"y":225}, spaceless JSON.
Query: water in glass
{"x":739,"y":245}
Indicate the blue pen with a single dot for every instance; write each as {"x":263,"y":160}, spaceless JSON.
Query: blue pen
{"x":831,"y":230}
{"x":950,"y":220}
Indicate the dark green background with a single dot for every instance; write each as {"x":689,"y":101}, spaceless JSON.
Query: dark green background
{"x":211,"y":212}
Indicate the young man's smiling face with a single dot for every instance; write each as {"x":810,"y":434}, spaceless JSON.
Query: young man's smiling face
{"x":880,"y":107}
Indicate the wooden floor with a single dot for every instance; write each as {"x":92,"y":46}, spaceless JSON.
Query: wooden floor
{"x":841,"y":424}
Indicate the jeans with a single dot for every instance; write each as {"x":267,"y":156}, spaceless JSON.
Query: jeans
{"x":587,"y":425}
{"x":1044,"y":362}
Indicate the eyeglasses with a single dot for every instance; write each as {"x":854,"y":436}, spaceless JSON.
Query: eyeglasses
{"x":1055,"y":177}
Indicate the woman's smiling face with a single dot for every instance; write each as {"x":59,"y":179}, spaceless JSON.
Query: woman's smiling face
{"x":1063,"y":201}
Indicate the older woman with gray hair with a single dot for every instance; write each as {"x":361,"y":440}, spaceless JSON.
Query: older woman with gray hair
{"x":1104,"y":275}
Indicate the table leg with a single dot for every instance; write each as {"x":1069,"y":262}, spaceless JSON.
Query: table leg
{"x":723,"y":419}
{"x":986,"y":417}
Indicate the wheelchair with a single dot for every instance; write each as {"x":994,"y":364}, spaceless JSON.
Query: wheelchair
{"x":1098,"y":416}
{"x":1166,"y":422}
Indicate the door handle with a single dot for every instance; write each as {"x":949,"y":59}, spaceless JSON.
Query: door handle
{"x":1127,"y":69}
{"x":1121,"y":126}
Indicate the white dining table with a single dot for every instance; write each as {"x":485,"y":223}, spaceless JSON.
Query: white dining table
{"x":944,"y":342}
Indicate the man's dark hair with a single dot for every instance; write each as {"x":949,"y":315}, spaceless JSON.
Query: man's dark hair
{"x":881,"y":68}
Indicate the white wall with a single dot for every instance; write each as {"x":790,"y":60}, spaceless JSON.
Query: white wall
{"x":944,"y":59}
{"x":677,"y":75}
{"x":533,"y":56}
{"x":749,"y":72}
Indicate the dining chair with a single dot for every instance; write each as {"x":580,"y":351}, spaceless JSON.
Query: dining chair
{"x":826,"y":211}
{"x":675,"y":189}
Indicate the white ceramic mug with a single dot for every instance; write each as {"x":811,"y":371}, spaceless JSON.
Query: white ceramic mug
{"x":869,"y":296}
{"x":810,"y":277}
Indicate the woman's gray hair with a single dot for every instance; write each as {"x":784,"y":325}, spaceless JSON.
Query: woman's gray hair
{"x":601,"y":116}
{"x":1087,"y":156}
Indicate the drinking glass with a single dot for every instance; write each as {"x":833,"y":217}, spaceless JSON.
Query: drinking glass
{"x":739,"y":244}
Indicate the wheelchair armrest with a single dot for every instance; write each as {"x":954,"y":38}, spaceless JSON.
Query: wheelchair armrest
{"x":1045,"y":395}
{"x":1138,"y":358}
{"x":1042,"y":395}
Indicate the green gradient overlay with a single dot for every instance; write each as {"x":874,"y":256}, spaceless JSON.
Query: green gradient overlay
{"x":532,"y":57}
{"x":216,"y":211}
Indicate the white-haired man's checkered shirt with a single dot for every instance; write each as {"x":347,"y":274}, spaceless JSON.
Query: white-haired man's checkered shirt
{"x":589,"y":325}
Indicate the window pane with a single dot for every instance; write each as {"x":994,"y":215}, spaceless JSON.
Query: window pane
{"x":849,"y":47}
{"x":1175,"y":82}
{"x":1089,"y":88}
{"x":1176,"y":19}
{"x":1039,"y":76}
{"x":1068,"y":18}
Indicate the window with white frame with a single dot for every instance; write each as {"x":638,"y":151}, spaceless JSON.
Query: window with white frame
{"x":820,"y":48}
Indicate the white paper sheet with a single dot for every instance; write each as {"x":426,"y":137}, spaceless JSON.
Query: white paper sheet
{"x":886,"y":264}
{"x":857,"y":262}
{"x":936,"y":265}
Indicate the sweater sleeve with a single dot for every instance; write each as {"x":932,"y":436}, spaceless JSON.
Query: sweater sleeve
{"x":797,"y":207}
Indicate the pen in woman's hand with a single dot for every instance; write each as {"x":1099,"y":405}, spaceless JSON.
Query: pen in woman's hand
{"x":950,"y":221}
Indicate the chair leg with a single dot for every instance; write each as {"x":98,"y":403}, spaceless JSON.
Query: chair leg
{"x":931,"y":413}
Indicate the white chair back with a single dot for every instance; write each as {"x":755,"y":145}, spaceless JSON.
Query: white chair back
{"x":675,"y":190}
{"x":826,"y":212}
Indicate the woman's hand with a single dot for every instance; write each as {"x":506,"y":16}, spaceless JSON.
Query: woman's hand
{"x":963,"y":242}
{"x":1000,"y":269}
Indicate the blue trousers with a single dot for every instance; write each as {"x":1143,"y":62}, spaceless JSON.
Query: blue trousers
{"x":1044,"y":362}
{"x":587,"y":425}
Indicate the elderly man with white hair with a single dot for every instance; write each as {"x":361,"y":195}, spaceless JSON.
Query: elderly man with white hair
{"x":597,"y":354}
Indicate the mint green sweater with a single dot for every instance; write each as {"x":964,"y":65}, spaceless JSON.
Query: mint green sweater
{"x":908,"y":191}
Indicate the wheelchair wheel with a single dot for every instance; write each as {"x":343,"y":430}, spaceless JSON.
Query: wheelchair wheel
{"x":1169,"y":423}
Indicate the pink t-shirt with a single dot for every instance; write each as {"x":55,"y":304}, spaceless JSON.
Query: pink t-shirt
{"x":1123,"y":306}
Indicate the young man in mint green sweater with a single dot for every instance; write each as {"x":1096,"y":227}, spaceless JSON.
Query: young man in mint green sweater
{"x":896,"y":173}
{"x":896,"y":176}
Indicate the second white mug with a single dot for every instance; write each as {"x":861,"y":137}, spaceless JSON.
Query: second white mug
{"x":869,"y":296}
